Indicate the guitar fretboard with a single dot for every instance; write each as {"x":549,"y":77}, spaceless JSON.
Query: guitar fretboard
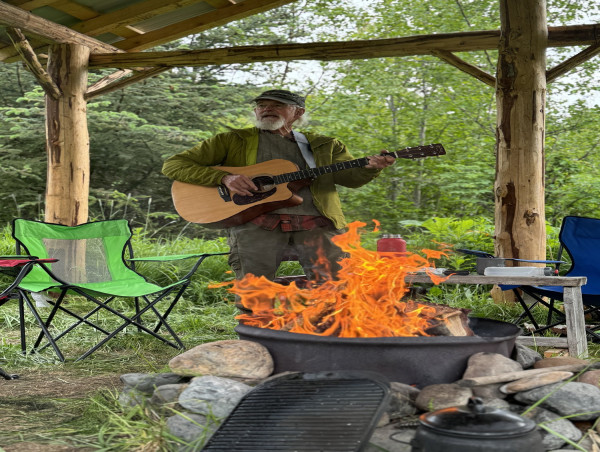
{"x":311,"y":173}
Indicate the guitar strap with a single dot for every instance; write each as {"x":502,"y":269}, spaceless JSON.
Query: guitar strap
{"x":304,"y":146}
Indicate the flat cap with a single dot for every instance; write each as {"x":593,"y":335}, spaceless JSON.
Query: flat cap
{"x":282,"y":95}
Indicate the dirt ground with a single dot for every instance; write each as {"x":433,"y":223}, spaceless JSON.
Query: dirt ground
{"x":34,"y":404}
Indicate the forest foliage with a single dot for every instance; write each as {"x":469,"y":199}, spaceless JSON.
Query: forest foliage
{"x":372,"y":104}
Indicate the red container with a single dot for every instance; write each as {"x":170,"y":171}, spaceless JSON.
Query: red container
{"x":391,"y":243}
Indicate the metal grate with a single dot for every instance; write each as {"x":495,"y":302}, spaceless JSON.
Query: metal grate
{"x":328,"y":411}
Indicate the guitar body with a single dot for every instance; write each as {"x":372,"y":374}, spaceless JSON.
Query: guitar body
{"x":204,"y":205}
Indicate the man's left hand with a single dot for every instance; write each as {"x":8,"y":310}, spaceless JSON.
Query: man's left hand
{"x":380,"y":161}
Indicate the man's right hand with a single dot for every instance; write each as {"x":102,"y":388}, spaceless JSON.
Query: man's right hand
{"x":239,"y":184}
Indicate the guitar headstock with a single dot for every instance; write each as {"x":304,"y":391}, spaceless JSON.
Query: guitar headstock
{"x":418,"y":152}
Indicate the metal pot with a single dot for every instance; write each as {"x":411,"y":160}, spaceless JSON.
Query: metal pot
{"x":475,"y":428}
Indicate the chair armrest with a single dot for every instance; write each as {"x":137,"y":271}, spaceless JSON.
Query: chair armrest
{"x":199,"y":258}
{"x":174,"y":257}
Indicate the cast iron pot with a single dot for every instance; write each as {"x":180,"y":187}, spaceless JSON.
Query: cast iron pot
{"x":475,"y":428}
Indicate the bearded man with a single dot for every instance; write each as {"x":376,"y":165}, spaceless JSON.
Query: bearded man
{"x":259,"y":245}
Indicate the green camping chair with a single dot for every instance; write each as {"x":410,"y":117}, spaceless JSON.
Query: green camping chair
{"x":95,"y":261}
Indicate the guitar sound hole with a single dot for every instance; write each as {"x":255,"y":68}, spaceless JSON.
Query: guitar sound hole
{"x":266,"y":187}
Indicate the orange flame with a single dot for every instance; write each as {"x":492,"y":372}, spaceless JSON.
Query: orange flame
{"x":366,"y":300}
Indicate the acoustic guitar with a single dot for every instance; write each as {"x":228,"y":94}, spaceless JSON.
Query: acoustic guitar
{"x":277,"y":181}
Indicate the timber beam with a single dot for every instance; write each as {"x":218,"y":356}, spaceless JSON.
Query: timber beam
{"x":48,"y":31}
{"x":30,"y":58}
{"x":345,"y":50}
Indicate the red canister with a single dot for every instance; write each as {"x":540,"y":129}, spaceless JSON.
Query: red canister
{"x":391,"y":243}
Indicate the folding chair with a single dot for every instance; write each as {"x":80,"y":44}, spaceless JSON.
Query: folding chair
{"x":95,"y":261}
{"x":15,"y":267}
{"x":580,"y":238}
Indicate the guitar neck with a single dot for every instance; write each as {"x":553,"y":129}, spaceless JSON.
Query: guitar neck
{"x":311,"y":173}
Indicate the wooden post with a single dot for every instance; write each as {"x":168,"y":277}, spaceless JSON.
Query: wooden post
{"x":521,"y":97}
{"x":67,"y":139}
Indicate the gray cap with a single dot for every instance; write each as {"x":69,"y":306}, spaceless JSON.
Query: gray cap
{"x":282,"y":95}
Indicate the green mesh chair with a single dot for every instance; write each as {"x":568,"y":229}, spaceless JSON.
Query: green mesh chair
{"x":95,"y":261}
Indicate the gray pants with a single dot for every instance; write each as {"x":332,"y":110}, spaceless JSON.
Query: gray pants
{"x":257,"y":251}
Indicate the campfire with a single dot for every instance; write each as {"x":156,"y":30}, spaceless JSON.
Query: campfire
{"x":370,"y":298}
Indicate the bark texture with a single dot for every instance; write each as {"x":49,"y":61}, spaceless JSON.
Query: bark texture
{"x":67,"y":138}
{"x":521,"y":97}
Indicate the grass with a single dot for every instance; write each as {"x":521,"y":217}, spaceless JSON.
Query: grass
{"x":76,"y":403}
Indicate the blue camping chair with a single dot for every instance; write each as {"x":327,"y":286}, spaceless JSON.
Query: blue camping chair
{"x":580,"y":238}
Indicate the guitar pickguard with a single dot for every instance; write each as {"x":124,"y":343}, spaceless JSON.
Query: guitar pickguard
{"x":266,"y":187}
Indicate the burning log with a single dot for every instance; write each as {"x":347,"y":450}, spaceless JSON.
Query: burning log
{"x":448,"y":321}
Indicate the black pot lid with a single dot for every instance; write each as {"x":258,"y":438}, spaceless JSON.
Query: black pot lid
{"x":475,"y":419}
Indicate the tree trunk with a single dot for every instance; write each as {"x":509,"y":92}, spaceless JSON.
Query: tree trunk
{"x":67,"y":139}
{"x":521,"y":97}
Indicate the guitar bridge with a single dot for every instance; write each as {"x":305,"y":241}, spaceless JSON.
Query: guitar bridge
{"x":224,"y":193}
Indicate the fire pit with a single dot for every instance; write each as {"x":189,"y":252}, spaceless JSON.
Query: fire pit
{"x":419,"y":361}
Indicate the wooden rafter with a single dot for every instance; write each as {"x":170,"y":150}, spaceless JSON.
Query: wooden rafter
{"x":46,"y":30}
{"x":234,"y":11}
{"x":572,"y":62}
{"x":101,"y":87}
{"x":325,"y":51}
{"x":461,"y":64}
{"x":30,"y":58}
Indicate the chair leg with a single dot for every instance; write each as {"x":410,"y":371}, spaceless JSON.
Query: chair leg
{"x":526,"y":310}
{"x":135,"y":321}
{"x":7,"y":376}
{"x":43,"y":327}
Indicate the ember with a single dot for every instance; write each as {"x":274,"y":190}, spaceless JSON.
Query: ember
{"x":368,"y":300}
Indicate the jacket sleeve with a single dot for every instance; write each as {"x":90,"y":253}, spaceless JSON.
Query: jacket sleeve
{"x":354,"y":177}
{"x":195,"y":166}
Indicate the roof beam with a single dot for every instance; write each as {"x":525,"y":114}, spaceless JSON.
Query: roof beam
{"x":221,"y":16}
{"x":30,"y":58}
{"x":346,"y":50}
{"x":47,"y":31}
{"x":572,"y":62}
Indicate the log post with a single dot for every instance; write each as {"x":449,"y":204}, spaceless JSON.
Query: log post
{"x":521,"y":96}
{"x":67,"y":138}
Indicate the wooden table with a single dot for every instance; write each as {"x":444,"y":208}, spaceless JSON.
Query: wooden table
{"x":576,"y":339}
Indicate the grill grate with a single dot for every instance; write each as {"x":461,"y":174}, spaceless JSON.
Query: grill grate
{"x":328,"y":411}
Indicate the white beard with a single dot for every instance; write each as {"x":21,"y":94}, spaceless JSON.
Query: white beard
{"x":269,"y":123}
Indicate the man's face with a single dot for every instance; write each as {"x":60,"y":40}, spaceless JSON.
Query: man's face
{"x":273,"y":115}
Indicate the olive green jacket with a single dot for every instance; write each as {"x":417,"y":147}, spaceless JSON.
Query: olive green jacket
{"x":199,"y":165}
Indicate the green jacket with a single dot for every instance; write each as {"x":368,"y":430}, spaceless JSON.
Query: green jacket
{"x":239,"y":148}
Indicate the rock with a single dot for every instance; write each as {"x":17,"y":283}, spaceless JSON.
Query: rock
{"x":579,"y":401}
{"x":558,"y":361}
{"x":193,"y":429}
{"x":131,"y":397}
{"x":227,"y":359}
{"x":526,"y":356}
{"x":390,"y":438}
{"x":436,"y":397}
{"x":402,"y":401}
{"x":211,"y":395}
{"x":562,"y":427}
{"x":485,"y":364}
{"x":591,"y":377}
{"x":146,"y":383}
{"x":525,"y":384}
{"x":167,"y":395}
